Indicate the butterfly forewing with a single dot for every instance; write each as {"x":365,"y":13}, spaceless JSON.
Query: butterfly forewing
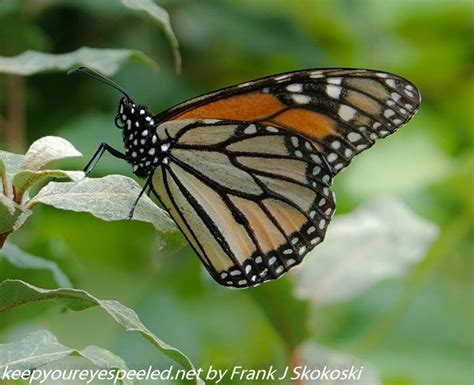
{"x":342,"y":110}
{"x":252,"y":199}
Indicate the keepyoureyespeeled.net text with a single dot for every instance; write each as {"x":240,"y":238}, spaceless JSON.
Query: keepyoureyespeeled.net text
{"x":211,"y":374}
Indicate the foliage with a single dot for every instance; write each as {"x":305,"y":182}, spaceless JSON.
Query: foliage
{"x":390,"y":288}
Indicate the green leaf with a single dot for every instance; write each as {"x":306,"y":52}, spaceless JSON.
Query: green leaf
{"x":382,"y":239}
{"x":106,"y":61}
{"x":162,"y":18}
{"x":46,"y":150}
{"x":14,"y":293}
{"x":42,"y":347}
{"x":12,"y":216}
{"x":109,"y":198}
{"x":23,"y":260}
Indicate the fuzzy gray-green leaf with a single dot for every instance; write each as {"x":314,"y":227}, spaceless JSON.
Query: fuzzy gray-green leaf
{"x":14,"y":293}
{"x":106,"y":61}
{"x":41,"y":348}
{"x":380,"y":240}
{"x":109,"y":198}
{"x":36,"y":349}
{"x":45,"y":150}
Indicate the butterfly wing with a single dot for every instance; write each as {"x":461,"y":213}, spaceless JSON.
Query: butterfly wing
{"x":252,"y":199}
{"x":342,"y":111}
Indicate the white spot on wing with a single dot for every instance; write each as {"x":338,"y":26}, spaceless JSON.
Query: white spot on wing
{"x":395,"y":96}
{"x":346,"y":112}
{"x":301,"y":99}
{"x":281,"y":77}
{"x":333,"y":91}
{"x":316,"y":75}
{"x":334,"y":80}
{"x":251,"y":129}
{"x":354,"y":136}
{"x":295,"y":87}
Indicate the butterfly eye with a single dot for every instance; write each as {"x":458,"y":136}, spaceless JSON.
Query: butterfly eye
{"x":119,"y":121}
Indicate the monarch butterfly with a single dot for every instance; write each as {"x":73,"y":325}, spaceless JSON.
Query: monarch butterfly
{"x":245,"y":171}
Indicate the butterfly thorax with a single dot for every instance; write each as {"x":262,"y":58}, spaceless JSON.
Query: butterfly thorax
{"x":142,"y":146}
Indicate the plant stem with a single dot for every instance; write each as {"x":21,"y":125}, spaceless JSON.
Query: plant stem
{"x":14,"y":122}
{"x":294,"y":361}
{"x":3,"y":238}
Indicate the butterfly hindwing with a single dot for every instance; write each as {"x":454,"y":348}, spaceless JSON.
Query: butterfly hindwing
{"x":343,"y":111}
{"x":252,"y":199}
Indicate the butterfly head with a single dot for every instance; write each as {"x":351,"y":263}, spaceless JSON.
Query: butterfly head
{"x":143,"y":149}
{"x":126,"y":112}
{"x":133,"y":118}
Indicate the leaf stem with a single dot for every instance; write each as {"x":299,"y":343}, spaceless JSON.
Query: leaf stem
{"x":4,"y":184}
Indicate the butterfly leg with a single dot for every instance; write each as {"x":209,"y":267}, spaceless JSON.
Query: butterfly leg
{"x":134,"y":205}
{"x":98,"y":154}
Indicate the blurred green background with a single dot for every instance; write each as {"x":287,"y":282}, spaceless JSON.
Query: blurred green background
{"x":416,"y":329}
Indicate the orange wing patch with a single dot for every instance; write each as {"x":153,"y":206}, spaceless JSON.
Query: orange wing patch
{"x":265,"y":108}
{"x":308,"y":123}
{"x":248,"y":107}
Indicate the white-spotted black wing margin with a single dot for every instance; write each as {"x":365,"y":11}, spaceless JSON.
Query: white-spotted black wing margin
{"x":252,"y":199}
{"x":360,"y":107}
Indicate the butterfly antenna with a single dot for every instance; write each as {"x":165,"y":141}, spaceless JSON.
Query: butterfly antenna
{"x":98,"y":76}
